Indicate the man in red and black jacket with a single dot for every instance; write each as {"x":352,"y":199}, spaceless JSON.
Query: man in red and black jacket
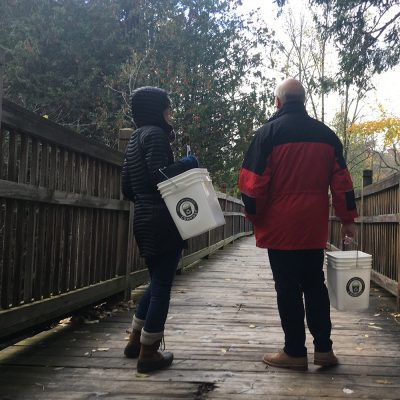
{"x":291,"y":163}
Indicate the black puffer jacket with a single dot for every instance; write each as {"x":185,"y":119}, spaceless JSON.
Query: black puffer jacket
{"x":149,"y":151}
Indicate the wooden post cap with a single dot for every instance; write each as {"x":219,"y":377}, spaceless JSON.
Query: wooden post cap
{"x":125,"y":133}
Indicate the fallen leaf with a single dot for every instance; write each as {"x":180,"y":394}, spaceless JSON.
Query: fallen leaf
{"x":89,"y":322}
{"x":103,"y":349}
{"x":252,"y":326}
{"x":366,"y":335}
{"x":359,"y":348}
{"x":375,"y":327}
{"x":141,"y":376}
{"x":223,"y":351}
{"x":383,"y":382}
{"x":377,"y":315}
{"x":348,"y":391}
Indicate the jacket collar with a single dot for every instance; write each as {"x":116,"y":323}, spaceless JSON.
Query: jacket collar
{"x":291,"y":107}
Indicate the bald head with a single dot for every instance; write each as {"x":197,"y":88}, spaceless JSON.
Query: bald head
{"x":289,"y":90}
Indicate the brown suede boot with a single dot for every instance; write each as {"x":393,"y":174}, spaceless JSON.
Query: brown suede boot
{"x":283,"y":360}
{"x":132,"y":349}
{"x":325,"y":359}
{"x":151,"y":359}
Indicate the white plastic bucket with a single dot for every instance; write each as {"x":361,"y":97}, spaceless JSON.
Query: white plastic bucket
{"x":192,"y":202}
{"x":348,"y":275}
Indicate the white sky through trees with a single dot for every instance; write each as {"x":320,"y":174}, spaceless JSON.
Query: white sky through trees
{"x":387,"y":84}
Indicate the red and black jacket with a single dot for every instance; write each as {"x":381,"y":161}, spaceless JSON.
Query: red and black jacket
{"x":291,"y":163}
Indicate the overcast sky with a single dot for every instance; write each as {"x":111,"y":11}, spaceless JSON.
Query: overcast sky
{"x":387,"y":85}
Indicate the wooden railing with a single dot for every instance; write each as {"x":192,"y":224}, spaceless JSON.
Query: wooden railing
{"x":378,"y":231}
{"x":66,"y":238}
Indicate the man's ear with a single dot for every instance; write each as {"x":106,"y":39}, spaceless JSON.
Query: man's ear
{"x":278,"y":103}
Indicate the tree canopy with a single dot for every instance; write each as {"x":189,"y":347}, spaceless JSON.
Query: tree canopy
{"x":78,"y":60}
{"x":367,"y":34}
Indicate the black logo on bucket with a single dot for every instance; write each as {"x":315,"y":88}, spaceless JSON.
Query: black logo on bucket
{"x":187,"y":209}
{"x":355,"y":287}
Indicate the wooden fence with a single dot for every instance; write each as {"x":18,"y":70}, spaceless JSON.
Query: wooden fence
{"x":378,"y":205}
{"x":65,"y":231}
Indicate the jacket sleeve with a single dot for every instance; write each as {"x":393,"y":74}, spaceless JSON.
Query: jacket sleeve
{"x":158,"y":154}
{"x":255,"y":176}
{"x":342,"y":188}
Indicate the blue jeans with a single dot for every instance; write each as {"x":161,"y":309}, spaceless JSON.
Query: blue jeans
{"x":154,"y":304}
{"x":298,"y":272}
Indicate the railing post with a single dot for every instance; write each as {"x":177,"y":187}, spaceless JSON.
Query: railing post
{"x":398,"y":246}
{"x":367,"y":180}
{"x":367,"y":177}
{"x":124,"y":136}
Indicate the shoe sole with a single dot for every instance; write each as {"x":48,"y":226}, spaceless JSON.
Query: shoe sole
{"x":325,"y":363}
{"x":292,"y":367}
{"x":144,"y":367}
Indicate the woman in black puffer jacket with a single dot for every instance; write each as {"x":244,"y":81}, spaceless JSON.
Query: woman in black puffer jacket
{"x":148,"y":160}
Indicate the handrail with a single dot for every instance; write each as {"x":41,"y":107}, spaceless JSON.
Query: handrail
{"x":379,"y":231}
{"x":66,"y":238}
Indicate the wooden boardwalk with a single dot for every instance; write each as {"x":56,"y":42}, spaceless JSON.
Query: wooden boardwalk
{"x":223,"y":318}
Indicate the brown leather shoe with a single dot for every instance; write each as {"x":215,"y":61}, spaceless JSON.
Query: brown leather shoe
{"x":151,"y":359}
{"x":283,"y":360}
{"x":326,"y":359}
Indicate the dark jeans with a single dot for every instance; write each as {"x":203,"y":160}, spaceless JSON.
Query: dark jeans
{"x":154,"y":304}
{"x":296,"y":272}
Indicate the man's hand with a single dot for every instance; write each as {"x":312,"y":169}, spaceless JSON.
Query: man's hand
{"x":349,"y":231}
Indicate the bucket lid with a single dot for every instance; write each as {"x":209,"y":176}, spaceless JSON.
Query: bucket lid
{"x":346,"y":255}
{"x":184,"y":176}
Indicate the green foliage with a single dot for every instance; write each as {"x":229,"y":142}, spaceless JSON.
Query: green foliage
{"x":58,"y":54}
{"x":77,"y":61}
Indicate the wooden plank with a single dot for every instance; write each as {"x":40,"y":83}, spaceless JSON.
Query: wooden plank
{"x":12,"y":157}
{"x":101,"y":237}
{"x":76,"y":176}
{"x":69,"y":172}
{"x":22,"y":120}
{"x":30,"y":253}
{"x":385,"y":282}
{"x":41,"y":251}
{"x":23,"y":157}
{"x":7,"y":254}
{"x":113,"y":246}
{"x":19,"y":250}
{"x":13,"y":190}
{"x":222,"y":318}
{"x":34,"y":168}
{"x":49,"y":252}
{"x":82,"y":247}
{"x":122,"y":244}
{"x":44,"y":165}
{"x":14,"y":320}
{"x":381,"y":185}
{"x":58,"y":242}
{"x":375,"y":219}
{"x":2,"y":151}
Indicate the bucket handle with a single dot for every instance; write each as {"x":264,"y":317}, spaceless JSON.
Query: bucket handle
{"x":168,"y":178}
{"x":350,"y":240}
